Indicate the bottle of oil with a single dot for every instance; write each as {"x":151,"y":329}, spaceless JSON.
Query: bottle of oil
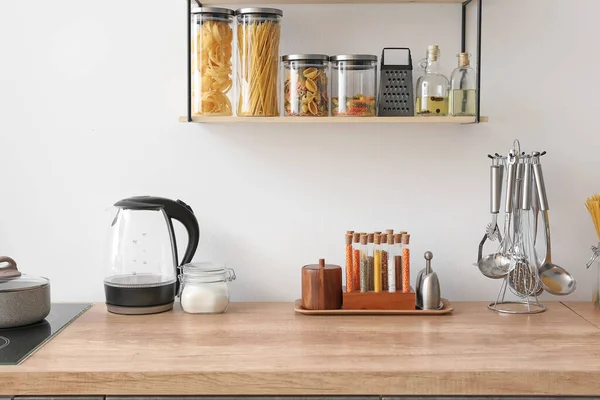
{"x":432,"y":91}
{"x":463,"y":88}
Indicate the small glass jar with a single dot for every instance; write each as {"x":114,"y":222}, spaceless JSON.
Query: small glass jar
{"x":258,"y":36}
{"x":354,"y":85}
{"x":204,"y":288}
{"x":212,"y":43}
{"x":305,"y":85}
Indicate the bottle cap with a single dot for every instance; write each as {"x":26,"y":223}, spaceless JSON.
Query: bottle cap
{"x":463,"y":60}
{"x":390,"y":238}
{"x":363,"y":239}
{"x":433,"y":52}
{"x":371,"y":237}
{"x":377,"y":238}
{"x":356,"y":237}
{"x":405,"y":238}
{"x":348,"y":239}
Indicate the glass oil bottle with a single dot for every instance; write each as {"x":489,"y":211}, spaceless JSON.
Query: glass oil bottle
{"x":463,"y":84}
{"x":432,"y":91}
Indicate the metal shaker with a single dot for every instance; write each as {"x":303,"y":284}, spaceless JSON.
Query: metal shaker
{"x":428,"y":287}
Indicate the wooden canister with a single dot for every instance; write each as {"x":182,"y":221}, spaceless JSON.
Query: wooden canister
{"x":322,"y":286}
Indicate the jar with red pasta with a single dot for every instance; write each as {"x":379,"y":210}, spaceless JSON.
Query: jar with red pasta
{"x":354,"y":85}
{"x":305,"y":85}
{"x":212,"y":43}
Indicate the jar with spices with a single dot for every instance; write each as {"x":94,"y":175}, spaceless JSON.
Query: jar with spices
{"x":305,"y":85}
{"x":204,"y":288}
{"x":354,"y":84}
{"x":212,"y":41}
{"x":258,"y":36}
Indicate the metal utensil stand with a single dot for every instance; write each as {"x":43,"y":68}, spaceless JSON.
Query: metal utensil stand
{"x":522,"y":280}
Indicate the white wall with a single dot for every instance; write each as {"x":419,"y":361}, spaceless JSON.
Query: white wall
{"x":90,"y":94}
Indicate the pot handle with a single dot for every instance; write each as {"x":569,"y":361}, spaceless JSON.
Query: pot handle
{"x":9,"y":271}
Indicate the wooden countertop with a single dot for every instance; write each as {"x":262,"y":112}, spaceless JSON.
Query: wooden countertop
{"x":264,"y":348}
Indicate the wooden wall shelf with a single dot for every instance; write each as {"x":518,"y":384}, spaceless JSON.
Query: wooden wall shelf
{"x":215,"y":2}
{"x":334,"y":120}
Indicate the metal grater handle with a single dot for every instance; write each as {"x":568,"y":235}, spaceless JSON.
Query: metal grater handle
{"x":396,"y":48}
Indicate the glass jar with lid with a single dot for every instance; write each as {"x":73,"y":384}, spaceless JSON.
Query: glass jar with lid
{"x":204,"y":288}
{"x":258,"y":35}
{"x":354,"y":85}
{"x":305,"y":85}
{"x":211,"y":61}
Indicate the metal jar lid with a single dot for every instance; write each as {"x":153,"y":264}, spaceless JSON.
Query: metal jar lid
{"x":11,"y":280}
{"x":354,"y":57}
{"x":259,"y":10}
{"x":305,"y":57}
{"x":213,"y":11}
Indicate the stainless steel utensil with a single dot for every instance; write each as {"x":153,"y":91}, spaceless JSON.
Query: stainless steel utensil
{"x":555,"y":279}
{"x":428,"y":287}
{"x":24,"y":300}
{"x":496,"y":175}
{"x":499,"y":264}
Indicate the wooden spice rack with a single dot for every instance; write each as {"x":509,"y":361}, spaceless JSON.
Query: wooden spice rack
{"x":379,"y":301}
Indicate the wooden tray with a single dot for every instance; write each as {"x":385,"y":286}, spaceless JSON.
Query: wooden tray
{"x":446,"y":309}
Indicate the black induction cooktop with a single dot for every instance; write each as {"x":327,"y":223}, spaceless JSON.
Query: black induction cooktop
{"x":19,"y":343}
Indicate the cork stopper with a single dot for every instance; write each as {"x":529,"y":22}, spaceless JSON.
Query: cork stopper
{"x":349,"y":232}
{"x":377,"y":238}
{"x":389,"y":231}
{"x":383,"y":238}
{"x":363,"y":239}
{"x":405,"y":238}
{"x":403,"y":233}
{"x":378,"y":232}
{"x":398,"y":238}
{"x":371,"y":237}
{"x":356,"y":237}
{"x":390,"y":238}
{"x":433,"y":52}
{"x":463,"y":60}
{"x":348,"y":239}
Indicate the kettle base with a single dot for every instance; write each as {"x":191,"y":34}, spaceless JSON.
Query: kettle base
{"x":139,"y":310}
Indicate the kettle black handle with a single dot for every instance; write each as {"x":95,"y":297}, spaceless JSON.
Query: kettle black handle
{"x":177,"y":210}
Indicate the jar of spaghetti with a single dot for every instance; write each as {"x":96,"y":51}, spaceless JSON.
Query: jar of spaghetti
{"x":211,"y":61}
{"x":258,"y":35}
{"x":354,"y":83}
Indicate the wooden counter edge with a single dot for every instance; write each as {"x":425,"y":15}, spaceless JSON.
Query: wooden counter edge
{"x":300,"y":383}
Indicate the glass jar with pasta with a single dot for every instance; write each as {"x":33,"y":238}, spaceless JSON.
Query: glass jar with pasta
{"x":212,"y":43}
{"x":258,"y":35}
{"x":305,"y":85}
{"x":354,"y":84}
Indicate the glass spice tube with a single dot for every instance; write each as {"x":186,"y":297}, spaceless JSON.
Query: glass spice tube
{"x":370,"y":246}
{"x":405,"y":263}
{"x":377,"y":264}
{"x":384,"y":263}
{"x":398,"y":260}
{"x":348,"y":262}
{"x":391,"y":265}
{"x":364,"y":264}
{"x":355,"y":261}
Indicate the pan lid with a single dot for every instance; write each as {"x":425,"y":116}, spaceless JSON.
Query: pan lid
{"x":11,"y":280}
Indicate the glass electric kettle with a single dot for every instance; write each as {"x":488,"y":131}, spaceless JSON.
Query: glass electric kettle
{"x":141,"y":273}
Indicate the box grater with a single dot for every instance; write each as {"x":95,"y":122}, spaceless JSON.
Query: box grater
{"x":396,"y":83}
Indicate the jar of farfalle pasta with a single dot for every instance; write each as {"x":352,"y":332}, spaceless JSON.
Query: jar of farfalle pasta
{"x":258,"y":35}
{"x":212,"y":42}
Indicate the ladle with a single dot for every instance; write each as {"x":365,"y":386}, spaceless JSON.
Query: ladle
{"x":555,"y":279}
